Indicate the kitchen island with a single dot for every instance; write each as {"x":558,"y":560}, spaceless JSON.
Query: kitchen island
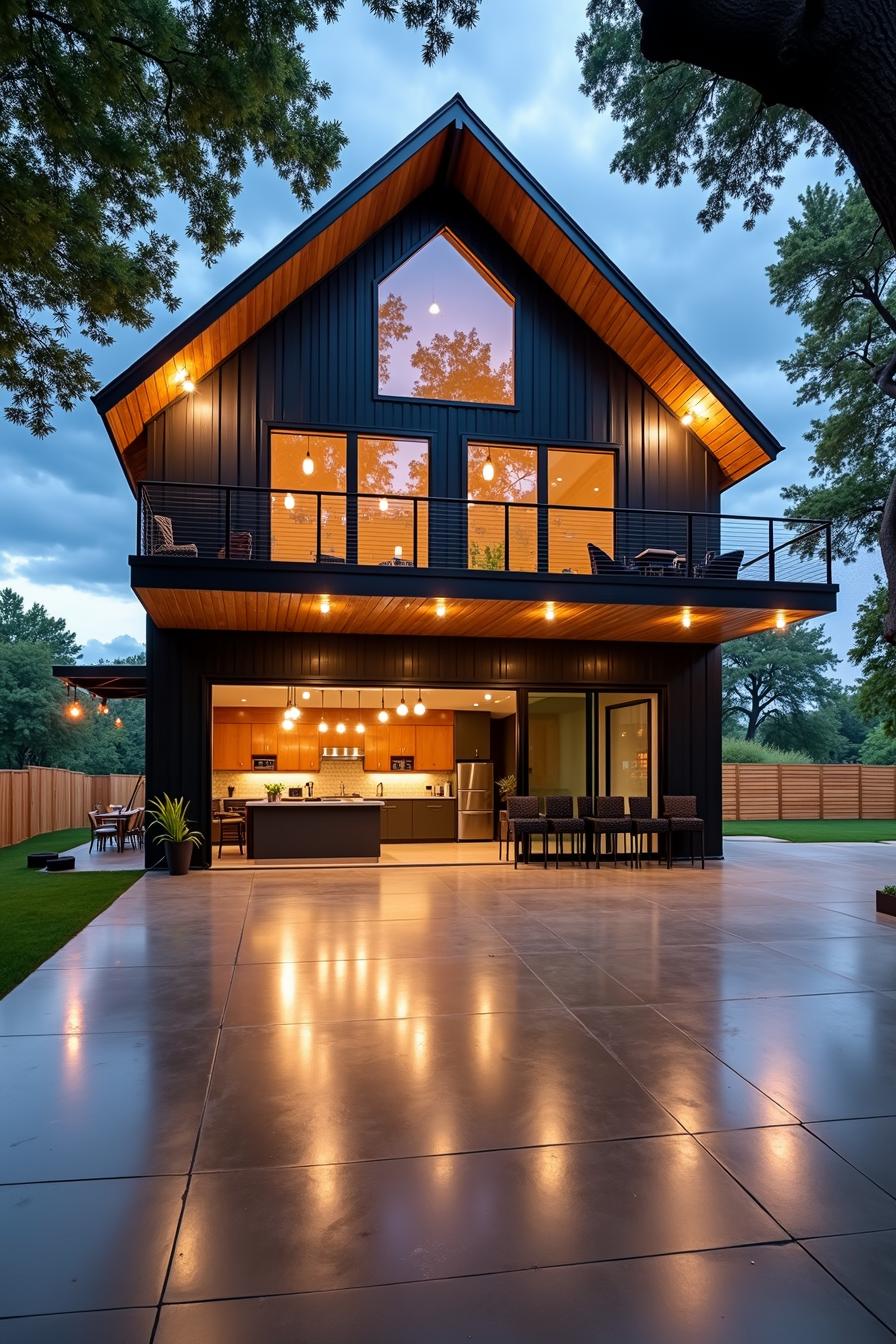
{"x":314,"y":828}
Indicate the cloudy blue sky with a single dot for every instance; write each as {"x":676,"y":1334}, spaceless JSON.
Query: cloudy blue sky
{"x":66,"y":516}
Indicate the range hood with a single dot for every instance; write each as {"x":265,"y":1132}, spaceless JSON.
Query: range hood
{"x":353,"y":753}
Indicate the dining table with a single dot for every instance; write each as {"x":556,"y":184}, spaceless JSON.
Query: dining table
{"x":119,"y":818}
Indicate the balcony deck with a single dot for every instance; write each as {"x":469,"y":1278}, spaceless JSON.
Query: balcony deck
{"x":217,"y":557}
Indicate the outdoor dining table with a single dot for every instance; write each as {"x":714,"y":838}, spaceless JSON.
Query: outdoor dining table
{"x":657,"y":560}
{"x":119,"y":820}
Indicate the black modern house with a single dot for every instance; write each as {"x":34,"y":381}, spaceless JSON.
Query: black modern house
{"x":436,"y":446}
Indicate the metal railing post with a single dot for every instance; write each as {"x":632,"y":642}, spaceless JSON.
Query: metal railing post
{"x":415,"y":531}
{"x":506,"y":535}
{"x":689,"y":547}
{"x":228,"y":505}
{"x":317,"y":559}
{"x":828,"y":547}
{"x":141,"y":520}
{"x":771,"y":550}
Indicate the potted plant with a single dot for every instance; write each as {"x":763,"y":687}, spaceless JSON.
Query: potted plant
{"x":169,"y":817}
{"x":506,"y":787}
{"x":273,"y":792}
{"x":886,"y":900}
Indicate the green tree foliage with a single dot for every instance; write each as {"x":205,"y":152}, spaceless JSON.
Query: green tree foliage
{"x":876,"y":690}
{"x":836,"y":272}
{"x":738,"y":751}
{"x":772,"y":675}
{"x":879,"y":748}
{"x":35,"y":625}
{"x":104,"y":108}
{"x":32,"y":731}
{"x":459,"y":368}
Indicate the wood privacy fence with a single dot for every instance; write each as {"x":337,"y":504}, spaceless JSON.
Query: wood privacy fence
{"x":801,"y":792}
{"x":42,"y":798}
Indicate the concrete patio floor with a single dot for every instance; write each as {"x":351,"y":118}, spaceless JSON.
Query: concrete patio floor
{"x":460,"y":1104}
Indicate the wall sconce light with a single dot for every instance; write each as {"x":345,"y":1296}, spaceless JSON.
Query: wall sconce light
{"x":687,"y":418}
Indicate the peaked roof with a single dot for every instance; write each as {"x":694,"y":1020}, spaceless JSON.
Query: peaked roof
{"x":453,"y":147}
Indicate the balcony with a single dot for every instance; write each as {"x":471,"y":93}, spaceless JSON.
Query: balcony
{"x":390,"y":563}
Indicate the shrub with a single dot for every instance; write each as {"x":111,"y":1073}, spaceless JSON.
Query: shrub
{"x":737,"y":751}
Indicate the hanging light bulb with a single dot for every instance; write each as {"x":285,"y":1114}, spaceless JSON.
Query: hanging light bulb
{"x":384,"y":505}
{"x":119,"y":723}
{"x":340,"y":723}
{"x":383,"y":714}
{"x":401,"y":709}
{"x":308,"y":463}
{"x":419,"y":708}
{"x":73,"y":709}
{"x":292,"y":709}
{"x":488,"y":468}
{"x":359,"y":726}
{"x":287,"y":725}
{"x":323,"y":726}
{"x":102,"y":707}
{"x":434,"y":309}
{"x":289,"y":501}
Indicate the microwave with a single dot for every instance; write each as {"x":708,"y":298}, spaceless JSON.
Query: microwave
{"x":264,"y":762}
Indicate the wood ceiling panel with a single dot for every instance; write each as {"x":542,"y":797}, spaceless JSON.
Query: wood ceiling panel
{"x":209,"y":609}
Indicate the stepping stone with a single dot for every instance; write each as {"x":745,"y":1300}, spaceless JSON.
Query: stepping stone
{"x":62,"y":864}
{"x":40,"y":860}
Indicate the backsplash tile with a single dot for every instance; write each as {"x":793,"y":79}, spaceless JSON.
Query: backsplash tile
{"x":396,"y":783}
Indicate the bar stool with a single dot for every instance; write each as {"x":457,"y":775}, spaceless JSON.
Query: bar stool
{"x":232,"y":829}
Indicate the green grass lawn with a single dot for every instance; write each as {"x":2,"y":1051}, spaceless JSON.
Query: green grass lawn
{"x":815,"y":832}
{"x":41,"y":911}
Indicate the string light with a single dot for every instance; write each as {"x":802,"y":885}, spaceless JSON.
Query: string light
{"x":73,"y":709}
{"x":102,"y":707}
{"x":119,"y":723}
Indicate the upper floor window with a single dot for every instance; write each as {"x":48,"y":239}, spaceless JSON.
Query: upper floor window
{"x":445,"y":328}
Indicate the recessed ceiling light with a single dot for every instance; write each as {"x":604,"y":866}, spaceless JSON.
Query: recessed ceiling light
{"x":549,"y":612}
{"x":487,"y":696}
{"x":242,"y":699}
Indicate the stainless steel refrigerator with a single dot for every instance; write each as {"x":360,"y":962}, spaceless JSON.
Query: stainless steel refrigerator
{"x":475,"y":800}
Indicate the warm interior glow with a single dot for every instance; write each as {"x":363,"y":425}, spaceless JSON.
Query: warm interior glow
{"x":575,"y":477}
{"x":294,"y":531}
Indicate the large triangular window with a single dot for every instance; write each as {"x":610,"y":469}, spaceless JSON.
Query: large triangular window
{"x":445,"y":328}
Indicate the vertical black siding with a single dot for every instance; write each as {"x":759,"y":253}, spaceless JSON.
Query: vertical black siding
{"x":314,"y":366}
{"x":183,"y":664}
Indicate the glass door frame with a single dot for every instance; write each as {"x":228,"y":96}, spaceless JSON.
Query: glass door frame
{"x":608,"y":740}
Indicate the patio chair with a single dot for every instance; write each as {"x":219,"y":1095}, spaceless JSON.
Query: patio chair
{"x":134,"y":833}
{"x":524,"y":821}
{"x":681,"y":811}
{"x":723,"y":566}
{"x":558,"y":813}
{"x":99,"y":834}
{"x":240,"y":547}
{"x":601,"y":563}
{"x":645,"y":823}
{"x":609,"y":819}
{"x":163,"y":542}
{"x":232,"y":830}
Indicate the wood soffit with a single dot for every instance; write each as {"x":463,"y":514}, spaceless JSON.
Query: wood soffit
{"x":300,"y":613}
{"x":455,"y":148}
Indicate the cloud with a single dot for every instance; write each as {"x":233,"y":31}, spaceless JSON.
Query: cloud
{"x":122,"y":646}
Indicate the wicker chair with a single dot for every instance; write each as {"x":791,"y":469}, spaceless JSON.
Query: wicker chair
{"x":610,"y":819}
{"x":163,"y":542}
{"x":524,"y":821}
{"x":558,"y":812}
{"x":644,"y":822}
{"x":681,"y":811}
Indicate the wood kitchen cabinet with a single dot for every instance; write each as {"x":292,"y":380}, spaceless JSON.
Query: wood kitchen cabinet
{"x":264,"y":739}
{"x":288,"y":750}
{"x":434,"y":818}
{"x":376,"y":747}
{"x":308,"y":742}
{"x":434,"y":748}
{"x":402,"y":739}
{"x":232,"y":746}
{"x":397,"y":819}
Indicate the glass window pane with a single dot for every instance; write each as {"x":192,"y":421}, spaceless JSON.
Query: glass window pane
{"x":586,"y":479}
{"x":389,"y":467}
{"x":497,"y":474}
{"x":294,"y":506}
{"x":557,"y":744}
{"x":445,"y":328}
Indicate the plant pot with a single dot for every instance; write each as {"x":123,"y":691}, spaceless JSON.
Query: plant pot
{"x":273,"y":797}
{"x":178,"y":854}
{"x":886,"y":903}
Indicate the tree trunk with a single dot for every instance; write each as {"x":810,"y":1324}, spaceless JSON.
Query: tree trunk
{"x":832,"y":59}
{"x":835,"y":60}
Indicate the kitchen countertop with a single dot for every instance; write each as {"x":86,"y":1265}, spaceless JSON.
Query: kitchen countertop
{"x":318,"y":802}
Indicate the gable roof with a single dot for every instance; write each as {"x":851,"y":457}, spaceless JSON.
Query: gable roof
{"x":453,"y":147}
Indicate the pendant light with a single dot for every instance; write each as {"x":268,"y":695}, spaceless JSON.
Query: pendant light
{"x":383,"y":715}
{"x":340,"y":723}
{"x":401,"y":709}
{"x":323,"y":726}
{"x":419,"y":708}
{"x":73,"y":709}
{"x":306,"y":695}
{"x":308,"y":463}
{"x":292,"y":709}
{"x":102,"y":707}
{"x":384,"y":505}
{"x":289,"y":501}
{"x":488,"y":467}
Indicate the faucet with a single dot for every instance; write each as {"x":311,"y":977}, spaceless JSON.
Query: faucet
{"x":309,"y":788}
{"x":379,"y":789}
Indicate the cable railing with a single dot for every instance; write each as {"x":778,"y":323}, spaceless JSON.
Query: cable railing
{"x":327,"y":528}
